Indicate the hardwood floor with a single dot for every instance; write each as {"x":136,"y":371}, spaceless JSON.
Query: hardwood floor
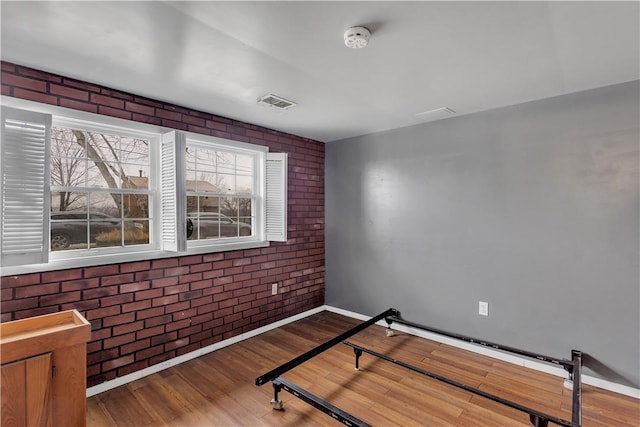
{"x":218,"y":389}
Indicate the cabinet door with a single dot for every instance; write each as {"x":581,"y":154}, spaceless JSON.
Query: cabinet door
{"x":13,"y":392}
{"x":26,"y":392}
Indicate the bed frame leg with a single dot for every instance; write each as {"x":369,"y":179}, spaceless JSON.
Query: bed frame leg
{"x":358,"y":353}
{"x":568,"y":382}
{"x":536,"y":421}
{"x":275,"y":402}
{"x":389,"y":331}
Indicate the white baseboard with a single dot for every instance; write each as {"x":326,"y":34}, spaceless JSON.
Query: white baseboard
{"x":117,"y":382}
{"x":539,"y":366}
{"x":528,"y":363}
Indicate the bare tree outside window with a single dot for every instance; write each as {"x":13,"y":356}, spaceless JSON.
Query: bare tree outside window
{"x":104,"y":180}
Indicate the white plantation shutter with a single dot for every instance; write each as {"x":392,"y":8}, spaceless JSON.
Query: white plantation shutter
{"x":24,"y":186}
{"x":276,"y":197}
{"x":172,"y":189}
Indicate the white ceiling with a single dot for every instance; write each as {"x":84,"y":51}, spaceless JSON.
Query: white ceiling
{"x":221,"y":56}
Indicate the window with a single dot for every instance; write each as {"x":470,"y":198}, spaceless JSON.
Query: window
{"x":100,"y":189}
{"x":93,"y":190}
{"x":221,"y":193}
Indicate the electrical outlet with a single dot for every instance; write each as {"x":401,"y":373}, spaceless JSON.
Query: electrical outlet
{"x":274,"y":289}
{"x":483,"y":308}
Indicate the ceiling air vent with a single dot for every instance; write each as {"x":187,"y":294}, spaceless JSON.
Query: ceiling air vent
{"x":275,"y":101}
{"x":438,"y":113}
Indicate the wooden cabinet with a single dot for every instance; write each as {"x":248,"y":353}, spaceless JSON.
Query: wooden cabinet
{"x":43,"y":367}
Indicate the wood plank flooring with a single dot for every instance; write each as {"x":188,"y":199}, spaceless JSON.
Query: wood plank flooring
{"x":218,"y":389}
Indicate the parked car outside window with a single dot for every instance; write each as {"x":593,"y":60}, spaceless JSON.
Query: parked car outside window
{"x":72,"y":228}
{"x":211,"y":225}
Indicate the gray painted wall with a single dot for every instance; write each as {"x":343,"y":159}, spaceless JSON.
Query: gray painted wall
{"x":533,"y":208}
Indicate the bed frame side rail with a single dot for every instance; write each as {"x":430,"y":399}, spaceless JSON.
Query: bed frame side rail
{"x":334,"y":412}
{"x":573,"y":366}
{"x":537,"y":418}
{"x":567,"y":364}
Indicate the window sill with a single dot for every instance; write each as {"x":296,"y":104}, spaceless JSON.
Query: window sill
{"x":94,"y":261}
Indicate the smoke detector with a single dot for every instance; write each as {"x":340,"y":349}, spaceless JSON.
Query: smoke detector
{"x":356,"y":37}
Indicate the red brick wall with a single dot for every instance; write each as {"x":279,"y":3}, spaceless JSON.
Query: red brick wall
{"x":143,"y":313}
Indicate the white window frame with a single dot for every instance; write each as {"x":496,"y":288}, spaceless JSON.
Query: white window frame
{"x":158,"y":248}
{"x":92,"y":126}
{"x":259,"y":153}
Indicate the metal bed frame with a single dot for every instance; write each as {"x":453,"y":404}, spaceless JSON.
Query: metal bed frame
{"x":391,"y":315}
